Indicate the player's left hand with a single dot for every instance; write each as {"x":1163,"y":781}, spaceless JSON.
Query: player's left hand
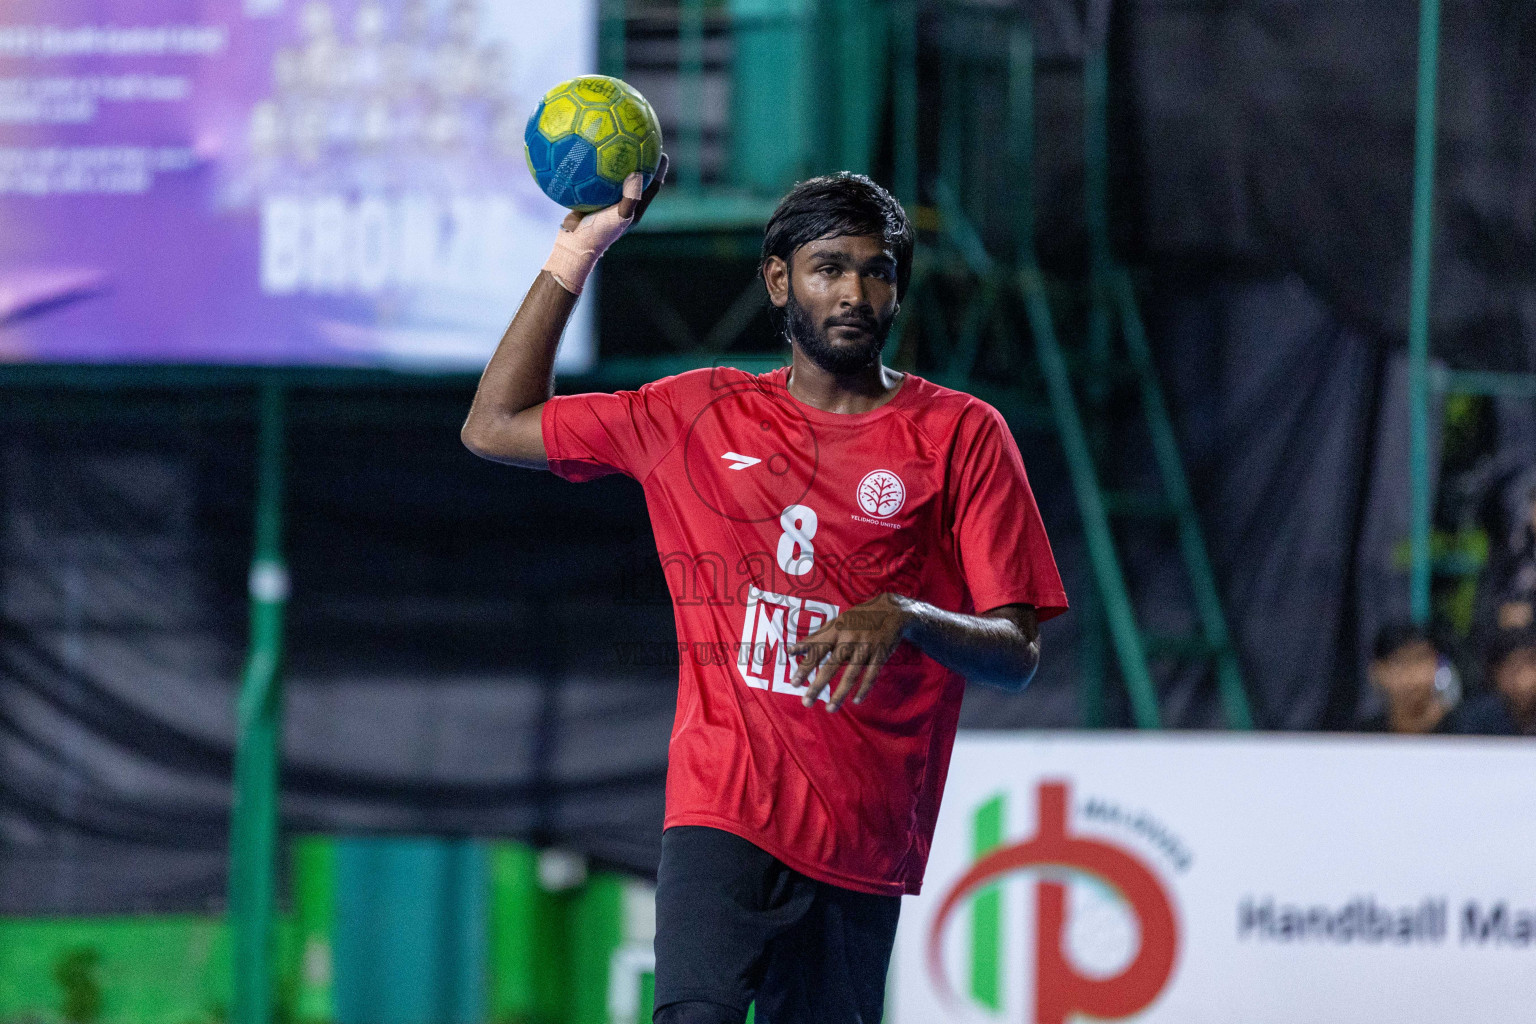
{"x":860,"y":640}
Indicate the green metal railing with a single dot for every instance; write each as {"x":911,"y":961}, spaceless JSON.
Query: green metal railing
{"x":1426,"y":381}
{"x":1076,"y":383}
{"x":1165,"y":448}
{"x":1418,"y":312}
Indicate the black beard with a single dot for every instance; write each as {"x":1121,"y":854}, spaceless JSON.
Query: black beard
{"x":814,"y":341}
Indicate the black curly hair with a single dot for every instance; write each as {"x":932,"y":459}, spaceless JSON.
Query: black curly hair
{"x":1396,"y":635}
{"x":840,"y":204}
{"x":1504,"y":643}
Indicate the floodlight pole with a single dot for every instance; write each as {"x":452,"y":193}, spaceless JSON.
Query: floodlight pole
{"x":1418,"y":310}
{"x":254,"y":815}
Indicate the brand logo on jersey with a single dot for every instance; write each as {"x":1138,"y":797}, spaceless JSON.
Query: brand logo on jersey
{"x":881,"y":493}
{"x":740,"y":461}
{"x":772,"y":623}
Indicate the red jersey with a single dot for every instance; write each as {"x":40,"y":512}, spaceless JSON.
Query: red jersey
{"x":771,"y":517}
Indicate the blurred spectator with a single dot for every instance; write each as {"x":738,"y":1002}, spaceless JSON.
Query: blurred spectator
{"x":1412,"y":670}
{"x":1512,"y":674}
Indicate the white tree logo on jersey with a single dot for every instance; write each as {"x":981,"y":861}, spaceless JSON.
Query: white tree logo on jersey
{"x":881,"y":493}
{"x":773,"y":621}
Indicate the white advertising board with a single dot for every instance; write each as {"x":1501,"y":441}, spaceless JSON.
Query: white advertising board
{"x":1224,"y":879}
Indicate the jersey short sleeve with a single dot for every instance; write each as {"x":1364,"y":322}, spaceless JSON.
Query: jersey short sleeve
{"x":1000,"y":541}
{"x":591,"y":435}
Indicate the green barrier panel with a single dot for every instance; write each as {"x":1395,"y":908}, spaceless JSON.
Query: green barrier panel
{"x":597,"y":930}
{"x":410,"y":931}
{"x":518,"y":930}
{"x":580,"y":955}
{"x":314,"y":897}
{"x":172,"y":969}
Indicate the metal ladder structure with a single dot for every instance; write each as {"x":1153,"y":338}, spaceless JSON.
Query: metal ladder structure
{"x":1074,"y":383}
{"x":1114,"y":306}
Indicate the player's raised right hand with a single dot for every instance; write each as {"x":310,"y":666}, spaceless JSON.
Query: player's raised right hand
{"x":584,"y":237}
{"x":505,"y":420}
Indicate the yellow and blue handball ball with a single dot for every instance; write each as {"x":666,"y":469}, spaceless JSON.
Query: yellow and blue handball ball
{"x":586,"y":136}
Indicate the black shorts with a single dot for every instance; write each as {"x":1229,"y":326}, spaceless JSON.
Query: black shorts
{"x":735,"y":924}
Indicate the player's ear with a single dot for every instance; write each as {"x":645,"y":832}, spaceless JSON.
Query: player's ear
{"x":776,"y":277}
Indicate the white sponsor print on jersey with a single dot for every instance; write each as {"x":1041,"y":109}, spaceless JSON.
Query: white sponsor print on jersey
{"x":881,"y":493}
{"x":774,"y":621}
{"x":740,"y":461}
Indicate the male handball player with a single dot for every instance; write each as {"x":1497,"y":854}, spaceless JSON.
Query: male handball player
{"x":862,"y":542}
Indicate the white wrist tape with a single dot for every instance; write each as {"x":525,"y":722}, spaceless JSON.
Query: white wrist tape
{"x":578,"y":248}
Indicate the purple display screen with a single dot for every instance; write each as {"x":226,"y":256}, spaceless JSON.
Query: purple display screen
{"x":274,"y":181}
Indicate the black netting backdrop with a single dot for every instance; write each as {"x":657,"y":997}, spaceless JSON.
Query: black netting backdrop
{"x":1281,"y":134}
{"x":459,"y":656}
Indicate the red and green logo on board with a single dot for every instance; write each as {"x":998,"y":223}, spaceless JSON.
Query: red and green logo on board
{"x":1062,"y":989}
